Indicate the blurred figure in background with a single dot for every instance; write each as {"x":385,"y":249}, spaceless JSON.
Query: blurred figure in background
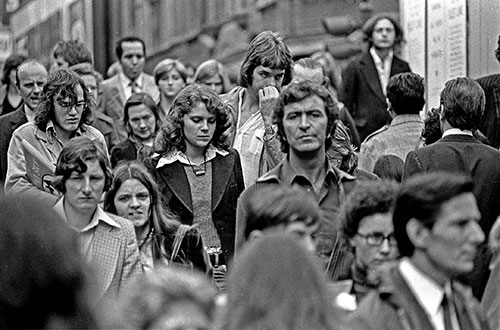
{"x":134,"y":195}
{"x":276,"y":284}
{"x":68,"y":53}
{"x":142,"y":121}
{"x":168,"y":298}
{"x":212,"y":74}
{"x":103,"y":123}
{"x":10,"y":97}
{"x":44,"y":282}
{"x":171,"y":77}
{"x":389,"y":167}
{"x":131,"y":53}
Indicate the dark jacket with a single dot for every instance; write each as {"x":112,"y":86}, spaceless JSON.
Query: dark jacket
{"x":8,"y":124}
{"x":490,"y":121}
{"x":363,"y":94}
{"x":465,"y":154}
{"x":227,"y":185}
{"x":129,"y":150}
{"x":393,"y":306}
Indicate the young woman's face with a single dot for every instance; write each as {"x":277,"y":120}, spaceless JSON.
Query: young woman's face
{"x":214,"y":83}
{"x":171,"y":83}
{"x":133,"y":201}
{"x":199,"y":128}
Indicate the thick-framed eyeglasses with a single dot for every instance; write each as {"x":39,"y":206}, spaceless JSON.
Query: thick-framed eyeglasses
{"x":376,"y":239}
{"x":67,"y":106}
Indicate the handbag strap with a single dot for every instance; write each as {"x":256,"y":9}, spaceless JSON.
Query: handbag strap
{"x":179,"y":236}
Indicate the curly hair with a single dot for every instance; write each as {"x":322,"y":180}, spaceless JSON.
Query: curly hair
{"x":367,"y":198}
{"x":171,"y":136}
{"x":267,"y":49}
{"x":298,"y":91}
{"x":73,"y":52}
{"x":369,"y":26}
{"x":62,"y":84}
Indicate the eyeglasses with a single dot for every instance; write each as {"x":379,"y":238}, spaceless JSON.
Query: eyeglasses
{"x":67,"y":106}
{"x":376,"y":239}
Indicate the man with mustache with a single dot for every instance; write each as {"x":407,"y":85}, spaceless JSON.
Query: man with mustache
{"x":436,"y":227}
{"x":64,"y":111}
{"x":267,"y":66}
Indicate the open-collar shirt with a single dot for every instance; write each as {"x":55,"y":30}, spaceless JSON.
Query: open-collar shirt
{"x":177,"y":155}
{"x":383,"y":67}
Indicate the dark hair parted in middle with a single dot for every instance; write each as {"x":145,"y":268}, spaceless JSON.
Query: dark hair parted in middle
{"x":421,"y":197}
{"x":367,"y":198}
{"x":296,"y":92}
{"x":60,"y":85}
{"x":73,"y":157}
{"x":138,"y":99}
{"x":267,"y":49}
{"x":369,"y":27}
{"x":406,"y":93}
{"x":462,"y":101}
{"x":171,"y":136}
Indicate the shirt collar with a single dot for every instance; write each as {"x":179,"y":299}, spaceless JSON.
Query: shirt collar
{"x":457,"y":131}
{"x":177,"y":155}
{"x":125,"y":81}
{"x":288,"y":175}
{"x":51,"y":132}
{"x":99,"y":215}
{"x":378,"y":61}
{"x":428,"y":292}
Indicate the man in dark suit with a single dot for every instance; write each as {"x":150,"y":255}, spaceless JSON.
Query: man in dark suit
{"x":462,"y":105}
{"x":365,"y":78}
{"x":490,"y":121}
{"x":31,"y":76}
{"x":131,"y":52}
{"x":437,"y":232}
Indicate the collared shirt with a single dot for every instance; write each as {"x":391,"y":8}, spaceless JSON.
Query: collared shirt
{"x":383,"y":67}
{"x":428,"y":293}
{"x":457,"y":131}
{"x":86,"y":234}
{"x":177,"y":155}
{"x":126,"y":83}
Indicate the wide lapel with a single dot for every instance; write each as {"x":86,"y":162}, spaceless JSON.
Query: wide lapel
{"x":222,"y":168}
{"x":105,"y":252}
{"x":397,"y":66}
{"x":369,"y":71}
{"x":175,"y":177}
{"x":18,"y":118}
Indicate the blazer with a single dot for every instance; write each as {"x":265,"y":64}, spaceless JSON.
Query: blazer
{"x":363,"y":95}
{"x":114,"y":99}
{"x":490,"y":121}
{"x":463,"y":153}
{"x":394,"y":307}
{"x":8,"y":124}
{"x":227,"y":185}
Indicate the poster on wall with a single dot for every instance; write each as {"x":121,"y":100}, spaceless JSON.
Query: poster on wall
{"x":441,"y":44}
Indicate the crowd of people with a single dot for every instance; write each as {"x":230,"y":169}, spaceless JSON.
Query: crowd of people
{"x":303,"y":196}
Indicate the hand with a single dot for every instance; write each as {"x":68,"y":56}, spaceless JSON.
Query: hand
{"x":268,"y":100}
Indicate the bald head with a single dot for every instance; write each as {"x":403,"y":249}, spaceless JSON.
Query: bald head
{"x":30,"y":78}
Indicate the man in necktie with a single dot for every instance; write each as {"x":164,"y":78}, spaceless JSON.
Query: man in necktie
{"x":437,"y":231}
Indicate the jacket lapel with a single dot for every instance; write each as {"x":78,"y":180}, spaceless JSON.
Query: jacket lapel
{"x":176,"y":179}
{"x":397,"y":66}
{"x":105,"y":251}
{"x":370,"y":73}
{"x":18,"y":118}
{"x":221,"y":173}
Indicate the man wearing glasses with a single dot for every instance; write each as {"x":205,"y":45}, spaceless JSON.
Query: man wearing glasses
{"x":65,"y":111}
